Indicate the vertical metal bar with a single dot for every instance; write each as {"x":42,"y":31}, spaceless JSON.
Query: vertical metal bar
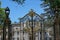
{"x":38,"y":35}
{"x":42,"y":27}
{"x":29,"y":32}
{"x":54,"y":31}
{"x":20,"y":28}
{"x":32,"y":26}
{"x":40,"y":24}
{"x":41,"y":31}
{"x":23,"y":30}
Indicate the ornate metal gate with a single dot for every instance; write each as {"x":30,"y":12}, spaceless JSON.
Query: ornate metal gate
{"x":31,"y":27}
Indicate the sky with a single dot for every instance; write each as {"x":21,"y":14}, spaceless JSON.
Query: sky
{"x":18,"y":11}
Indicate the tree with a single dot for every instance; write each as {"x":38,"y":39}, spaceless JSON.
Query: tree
{"x":0,"y":4}
{"x":54,"y":8}
{"x":2,"y":16}
{"x":54,"y":5}
{"x":19,"y":1}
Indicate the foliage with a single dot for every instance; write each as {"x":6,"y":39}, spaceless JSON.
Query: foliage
{"x":19,"y":1}
{"x":2,"y":17}
{"x":0,"y":3}
{"x":48,"y":19}
{"x":54,"y":5}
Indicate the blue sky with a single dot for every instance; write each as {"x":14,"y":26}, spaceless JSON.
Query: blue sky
{"x":18,"y":11}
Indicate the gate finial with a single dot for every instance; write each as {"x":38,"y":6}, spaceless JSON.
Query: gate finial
{"x":31,"y":13}
{"x":32,"y":10}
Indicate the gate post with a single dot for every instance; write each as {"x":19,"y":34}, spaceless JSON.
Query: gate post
{"x":7,"y":23}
